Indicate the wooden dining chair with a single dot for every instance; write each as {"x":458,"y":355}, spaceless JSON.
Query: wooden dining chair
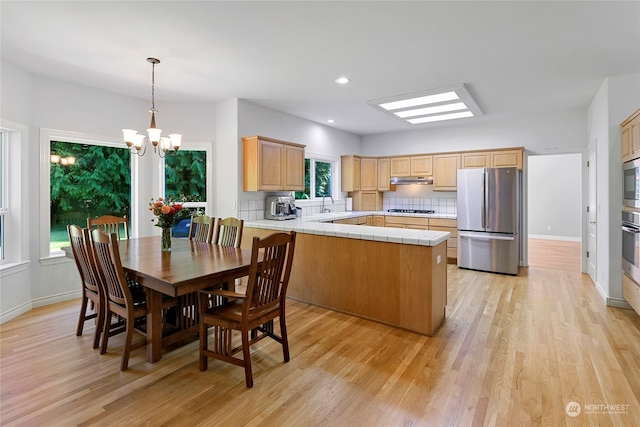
{"x":111,"y":224}
{"x":91,"y":287}
{"x":229,"y":232}
{"x":201,"y":228}
{"x":253,"y":312}
{"x":127,"y":302}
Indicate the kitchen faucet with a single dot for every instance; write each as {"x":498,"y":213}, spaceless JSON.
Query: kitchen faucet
{"x":332,"y":202}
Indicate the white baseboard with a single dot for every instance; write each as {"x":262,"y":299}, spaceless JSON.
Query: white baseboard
{"x":53,"y":299}
{"x":549,"y":237}
{"x":15,"y":312}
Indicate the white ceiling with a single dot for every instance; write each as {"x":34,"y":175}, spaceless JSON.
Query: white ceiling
{"x":516,"y":58}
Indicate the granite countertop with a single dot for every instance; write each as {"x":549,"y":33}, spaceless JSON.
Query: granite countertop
{"x":321,"y":224}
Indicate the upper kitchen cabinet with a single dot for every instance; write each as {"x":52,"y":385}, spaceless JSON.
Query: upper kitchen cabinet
{"x":368,"y":174}
{"x":421,"y":165}
{"x":492,"y":159}
{"x":507,"y":159}
{"x":384,"y":174}
{"x":631,"y":137}
{"x":445,"y":172}
{"x":401,"y":166}
{"x":272,"y":165}
{"x":350,"y":179}
{"x":476,"y":160}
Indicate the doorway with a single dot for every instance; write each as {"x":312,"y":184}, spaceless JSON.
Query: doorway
{"x":554,"y":213}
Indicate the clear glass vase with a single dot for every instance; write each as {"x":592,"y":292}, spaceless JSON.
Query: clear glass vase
{"x":166,"y":239}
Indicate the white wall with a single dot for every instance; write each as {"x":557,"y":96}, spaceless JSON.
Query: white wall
{"x":319,"y":139}
{"x":555,"y":196}
{"x":538,"y":134}
{"x":617,"y":98}
{"x":46,"y":103}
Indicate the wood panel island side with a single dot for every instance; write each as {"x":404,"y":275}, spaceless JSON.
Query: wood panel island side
{"x":349,"y":269}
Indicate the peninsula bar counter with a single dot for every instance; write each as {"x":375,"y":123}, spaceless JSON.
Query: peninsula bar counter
{"x":394,"y":276}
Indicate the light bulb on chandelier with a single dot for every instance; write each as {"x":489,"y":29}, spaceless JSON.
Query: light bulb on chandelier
{"x":137,"y":143}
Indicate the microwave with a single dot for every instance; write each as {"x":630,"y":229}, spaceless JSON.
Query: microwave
{"x":631,"y":183}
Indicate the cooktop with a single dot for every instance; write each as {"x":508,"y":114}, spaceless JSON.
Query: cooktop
{"x":420,"y":211}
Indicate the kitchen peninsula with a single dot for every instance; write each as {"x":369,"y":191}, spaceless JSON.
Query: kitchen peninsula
{"x":391,"y":275}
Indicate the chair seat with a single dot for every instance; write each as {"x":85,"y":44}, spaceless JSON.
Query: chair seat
{"x":232,"y":311}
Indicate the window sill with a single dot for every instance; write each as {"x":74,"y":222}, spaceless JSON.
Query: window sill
{"x":55,"y":258}
{"x":11,"y":268}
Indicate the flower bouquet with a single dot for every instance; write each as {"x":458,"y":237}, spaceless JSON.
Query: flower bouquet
{"x":167,"y":214}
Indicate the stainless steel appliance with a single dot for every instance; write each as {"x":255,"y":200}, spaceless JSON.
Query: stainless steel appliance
{"x":489,"y":219}
{"x":631,"y":183}
{"x":631,"y":244}
{"x":280,"y":208}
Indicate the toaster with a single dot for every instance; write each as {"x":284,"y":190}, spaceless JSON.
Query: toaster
{"x":280,"y":208}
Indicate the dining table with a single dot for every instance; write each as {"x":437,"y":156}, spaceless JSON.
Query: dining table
{"x":181,"y":272}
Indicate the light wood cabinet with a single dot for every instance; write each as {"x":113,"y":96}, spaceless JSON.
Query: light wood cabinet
{"x":413,"y":222}
{"x":401,"y":166}
{"x":476,"y":160}
{"x":272,"y":165}
{"x":421,"y":165}
{"x":631,"y":292}
{"x":367,"y":200}
{"x":384,"y":175}
{"x":506,"y":159}
{"x":350,"y":173}
{"x":445,"y":172}
{"x":631,"y":137}
{"x":368,"y":174}
{"x":492,"y":159}
{"x":451,"y":226}
{"x":378,"y":221}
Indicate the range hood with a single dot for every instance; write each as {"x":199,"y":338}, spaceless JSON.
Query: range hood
{"x":401,"y":180}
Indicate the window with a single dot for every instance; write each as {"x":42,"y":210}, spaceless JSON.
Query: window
{"x":13,"y":199}
{"x":3,"y":191}
{"x":318,"y":178}
{"x":86,"y":180}
{"x":81,"y":175}
{"x":186,"y":177}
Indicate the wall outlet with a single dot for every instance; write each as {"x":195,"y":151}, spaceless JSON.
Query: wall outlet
{"x":438,"y":259}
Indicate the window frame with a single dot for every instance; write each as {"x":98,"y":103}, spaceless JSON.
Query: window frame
{"x":195,"y":146}
{"x":335,"y":182}
{"x":48,"y":135}
{"x":15,"y":196}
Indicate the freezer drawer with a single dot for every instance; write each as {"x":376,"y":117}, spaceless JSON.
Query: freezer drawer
{"x":498,"y":253}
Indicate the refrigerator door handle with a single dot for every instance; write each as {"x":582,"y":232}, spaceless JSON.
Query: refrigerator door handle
{"x":485,"y":196}
{"x":478,"y":236}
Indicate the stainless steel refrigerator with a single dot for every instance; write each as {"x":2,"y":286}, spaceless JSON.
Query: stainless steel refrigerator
{"x":489,"y":219}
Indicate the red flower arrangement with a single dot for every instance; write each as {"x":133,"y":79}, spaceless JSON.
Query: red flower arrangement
{"x":167,"y":212}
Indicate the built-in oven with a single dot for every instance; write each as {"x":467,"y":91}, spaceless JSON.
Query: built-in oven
{"x":631,"y":183}
{"x":631,"y":244}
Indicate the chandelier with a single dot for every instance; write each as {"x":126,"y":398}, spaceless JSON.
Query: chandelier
{"x":137,"y":143}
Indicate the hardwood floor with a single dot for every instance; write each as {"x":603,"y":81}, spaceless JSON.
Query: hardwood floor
{"x":555,"y":254}
{"x":512,"y":351}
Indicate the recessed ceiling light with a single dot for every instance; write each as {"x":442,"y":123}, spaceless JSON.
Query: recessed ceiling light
{"x":331,"y":121}
{"x":430,"y":106}
{"x":343,"y":80}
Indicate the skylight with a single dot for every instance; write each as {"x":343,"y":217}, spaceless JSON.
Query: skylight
{"x":430,"y":106}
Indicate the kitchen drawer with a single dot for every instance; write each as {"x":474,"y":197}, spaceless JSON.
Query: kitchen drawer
{"x":407,"y":222}
{"x":631,"y":292}
{"x":442,"y":222}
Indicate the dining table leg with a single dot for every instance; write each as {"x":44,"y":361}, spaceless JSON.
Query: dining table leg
{"x":154,"y":325}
